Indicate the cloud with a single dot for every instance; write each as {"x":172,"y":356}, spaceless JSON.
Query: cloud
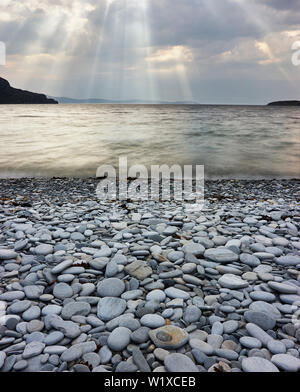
{"x":111,"y":45}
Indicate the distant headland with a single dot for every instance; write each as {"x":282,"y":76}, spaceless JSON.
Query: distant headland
{"x":284,"y":103}
{"x":10,"y":95}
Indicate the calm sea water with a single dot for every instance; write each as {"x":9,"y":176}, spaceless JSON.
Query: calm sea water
{"x":73,"y":140}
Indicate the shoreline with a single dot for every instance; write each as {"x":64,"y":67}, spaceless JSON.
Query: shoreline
{"x":124,"y":286}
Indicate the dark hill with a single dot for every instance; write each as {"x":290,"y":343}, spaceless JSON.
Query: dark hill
{"x":284,"y":103}
{"x":10,"y":95}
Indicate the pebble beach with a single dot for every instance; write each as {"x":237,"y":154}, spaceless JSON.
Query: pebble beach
{"x":126,"y":286}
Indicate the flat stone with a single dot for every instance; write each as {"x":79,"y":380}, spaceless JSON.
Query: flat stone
{"x":139,"y":269}
{"x":221,"y":255}
{"x":7,"y":254}
{"x":262,"y":296}
{"x":286,"y":362}
{"x":283,"y":288}
{"x":258,"y":365}
{"x":110,"y":307}
{"x":258,"y":333}
{"x":33,"y":291}
{"x":75,"y":308}
{"x":11,"y":295}
{"x":169,"y":337}
{"x":262,"y":319}
{"x":55,"y":350}
{"x":140,"y":361}
{"x":111,"y":287}
{"x":77,"y":351}
{"x":250,"y":342}
{"x":232,"y":282}
{"x":175,"y":293}
{"x":265,"y":307}
{"x":68,"y":328}
{"x":193,"y":248}
{"x":288,"y":260}
{"x":179,"y":363}
{"x":32,"y":349}
{"x":202,"y":346}
{"x":62,"y":266}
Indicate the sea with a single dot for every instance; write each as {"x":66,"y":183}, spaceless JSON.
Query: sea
{"x":73,"y":140}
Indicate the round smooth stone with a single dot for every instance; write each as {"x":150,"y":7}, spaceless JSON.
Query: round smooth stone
{"x":152,"y":321}
{"x":20,"y":365}
{"x":110,"y":307}
{"x":250,"y":342}
{"x":111,"y":287}
{"x":191,"y":314}
{"x":156,"y":295}
{"x":62,"y":291}
{"x":51,"y":309}
{"x":131,"y":295}
{"x":230,"y":326}
{"x":66,"y":278}
{"x":177,"y":362}
{"x":258,"y":365}
{"x":19,"y":306}
{"x":35,"y":326}
{"x":276,"y":347}
{"x":119,"y":339}
{"x":53,"y":338}
{"x":44,"y":249}
{"x":32,"y":313}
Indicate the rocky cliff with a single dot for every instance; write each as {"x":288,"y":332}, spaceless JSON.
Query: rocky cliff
{"x":10,"y":95}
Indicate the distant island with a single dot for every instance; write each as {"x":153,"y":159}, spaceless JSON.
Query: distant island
{"x":10,"y":95}
{"x":67,"y":100}
{"x":284,"y":103}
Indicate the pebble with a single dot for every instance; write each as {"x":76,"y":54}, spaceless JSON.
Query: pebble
{"x":258,"y":365}
{"x":180,"y":363}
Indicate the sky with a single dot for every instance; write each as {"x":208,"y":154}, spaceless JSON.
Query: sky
{"x":208,"y":51}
